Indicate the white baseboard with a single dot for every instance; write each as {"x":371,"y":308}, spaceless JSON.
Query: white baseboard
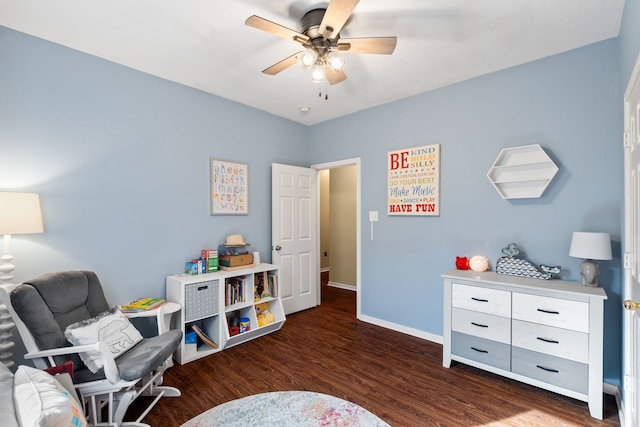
{"x":614,"y":390}
{"x":401,"y":328}
{"x":342,"y":286}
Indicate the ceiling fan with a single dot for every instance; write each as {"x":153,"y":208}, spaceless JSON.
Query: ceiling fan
{"x":320,"y":36}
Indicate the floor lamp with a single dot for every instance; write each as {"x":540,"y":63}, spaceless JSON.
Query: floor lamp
{"x":19,"y":214}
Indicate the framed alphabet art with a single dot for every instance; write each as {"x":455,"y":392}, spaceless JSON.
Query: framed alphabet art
{"x":229,"y":188}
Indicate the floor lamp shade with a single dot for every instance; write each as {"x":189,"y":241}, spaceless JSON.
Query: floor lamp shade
{"x":20,"y":213}
{"x":590,"y":246}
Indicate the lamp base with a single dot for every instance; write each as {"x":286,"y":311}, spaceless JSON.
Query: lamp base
{"x":6,"y":267}
{"x":590,"y":273}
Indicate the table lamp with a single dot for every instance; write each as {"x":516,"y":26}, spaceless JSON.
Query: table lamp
{"x":590,"y":246}
{"x":19,"y":214}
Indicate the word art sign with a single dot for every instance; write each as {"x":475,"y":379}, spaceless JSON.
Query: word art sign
{"x":229,"y":187}
{"x":414,"y":181}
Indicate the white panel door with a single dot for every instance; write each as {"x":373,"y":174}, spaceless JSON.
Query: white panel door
{"x":293,"y":234}
{"x":632,"y":249}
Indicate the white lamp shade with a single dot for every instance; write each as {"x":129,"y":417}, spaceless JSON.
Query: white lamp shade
{"x":317,"y":73}
{"x":335,"y":62}
{"x":307,"y":58}
{"x":590,"y":245}
{"x":20,"y":213}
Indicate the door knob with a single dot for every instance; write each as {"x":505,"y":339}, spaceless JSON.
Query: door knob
{"x":278,"y":247}
{"x":631,"y":305}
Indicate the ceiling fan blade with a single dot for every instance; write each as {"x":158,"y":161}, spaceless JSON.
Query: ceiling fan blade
{"x":336,"y":16}
{"x":333,"y":77}
{"x":277,"y":29}
{"x":282,"y":65}
{"x":379,"y":45}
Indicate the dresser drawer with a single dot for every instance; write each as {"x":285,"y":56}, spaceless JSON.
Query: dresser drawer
{"x":483,"y":325}
{"x":556,"y":312}
{"x":492,"y":301}
{"x":551,"y":370}
{"x":489,"y":352}
{"x":558,"y":342}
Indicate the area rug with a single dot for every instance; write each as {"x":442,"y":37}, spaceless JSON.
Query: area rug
{"x":287,"y":409}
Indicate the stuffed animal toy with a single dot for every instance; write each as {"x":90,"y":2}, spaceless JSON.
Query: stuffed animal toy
{"x":265,"y":317}
{"x":462,"y":263}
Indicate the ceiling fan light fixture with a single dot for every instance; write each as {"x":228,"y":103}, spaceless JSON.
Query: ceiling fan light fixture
{"x":335,"y":61}
{"x":307,"y":58}
{"x":317,"y":72}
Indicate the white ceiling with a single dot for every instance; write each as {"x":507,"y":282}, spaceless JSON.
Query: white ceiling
{"x":205,"y":44}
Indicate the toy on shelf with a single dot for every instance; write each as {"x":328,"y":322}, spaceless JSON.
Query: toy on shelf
{"x":479,"y":263}
{"x":462,"y":263}
{"x":265,"y":317}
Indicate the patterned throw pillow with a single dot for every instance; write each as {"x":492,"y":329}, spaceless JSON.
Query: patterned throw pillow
{"x":112,"y":327}
{"x":40,"y":400}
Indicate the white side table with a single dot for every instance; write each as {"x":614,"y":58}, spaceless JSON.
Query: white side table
{"x":162,"y":313}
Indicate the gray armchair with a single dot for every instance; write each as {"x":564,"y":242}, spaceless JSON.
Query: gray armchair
{"x":44,"y":307}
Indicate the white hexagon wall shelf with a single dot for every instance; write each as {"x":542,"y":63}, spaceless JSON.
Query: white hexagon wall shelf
{"x":522,"y":172}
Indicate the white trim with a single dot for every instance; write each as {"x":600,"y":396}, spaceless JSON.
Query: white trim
{"x":614,"y":390}
{"x":338,"y":164}
{"x":342,"y":286}
{"x":401,"y":328}
{"x":324,"y":270}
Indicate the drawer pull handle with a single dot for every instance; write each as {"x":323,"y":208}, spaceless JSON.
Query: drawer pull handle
{"x":548,"y":311}
{"x":548,"y":340}
{"x":479,"y":325}
{"x":479,"y":350}
{"x":479,"y":299}
{"x":555,"y":371}
{"x":202,"y":288}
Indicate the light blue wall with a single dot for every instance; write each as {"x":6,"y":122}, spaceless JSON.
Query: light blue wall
{"x":569,"y":104}
{"x":629,"y":39}
{"x":121,"y":161}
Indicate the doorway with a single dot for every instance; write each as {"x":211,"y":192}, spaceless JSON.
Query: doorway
{"x":339,"y":231}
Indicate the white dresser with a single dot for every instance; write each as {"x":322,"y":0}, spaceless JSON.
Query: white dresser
{"x":547,"y":333}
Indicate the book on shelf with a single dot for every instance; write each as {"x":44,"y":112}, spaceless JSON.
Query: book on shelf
{"x":272,"y":280}
{"x":204,"y":337}
{"x":234,"y":291}
{"x":259,"y":290}
{"x":142,"y":304}
{"x":210,"y":257}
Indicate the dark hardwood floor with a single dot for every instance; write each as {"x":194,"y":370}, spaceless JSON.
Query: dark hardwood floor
{"x":398,"y":377}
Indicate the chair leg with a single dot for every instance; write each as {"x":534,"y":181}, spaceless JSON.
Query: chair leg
{"x":167,"y":391}
{"x":121,"y":405}
{"x":117,"y":403}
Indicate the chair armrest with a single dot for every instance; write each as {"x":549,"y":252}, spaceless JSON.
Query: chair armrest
{"x":110,"y":368}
